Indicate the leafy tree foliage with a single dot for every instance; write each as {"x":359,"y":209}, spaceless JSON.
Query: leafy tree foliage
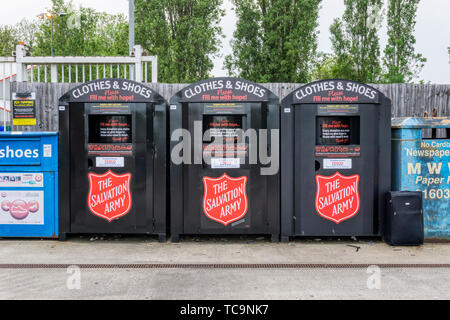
{"x":355,"y":41}
{"x":401,"y":61}
{"x":82,"y":32}
{"x":26,"y":31}
{"x":184,"y":34}
{"x":10,"y":36}
{"x":7,"y":40}
{"x":274,"y":41}
{"x":325,"y":66}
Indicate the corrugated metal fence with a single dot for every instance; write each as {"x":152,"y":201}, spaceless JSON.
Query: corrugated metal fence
{"x":407,"y":99}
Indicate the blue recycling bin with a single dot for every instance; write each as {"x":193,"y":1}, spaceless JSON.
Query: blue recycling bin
{"x":423,"y":164}
{"x":29,"y":184}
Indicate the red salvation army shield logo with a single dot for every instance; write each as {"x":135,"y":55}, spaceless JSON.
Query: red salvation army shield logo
{"x":225,"y":198}
{"x":337,"y":197}
{"x":109,"y":195}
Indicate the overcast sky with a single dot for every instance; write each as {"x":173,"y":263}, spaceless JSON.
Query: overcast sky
{"x":432,"y":30}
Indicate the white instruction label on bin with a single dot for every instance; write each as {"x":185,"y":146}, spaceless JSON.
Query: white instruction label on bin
{"x":21,"y":180}
{"x":47,"y":150}
{"x":225,"y":163}
{"x":337,"y":163}
{"x":113,"y":162}
{"x":22,"y":207}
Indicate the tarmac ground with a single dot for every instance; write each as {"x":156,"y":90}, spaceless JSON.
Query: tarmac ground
{"x":242,"y":268}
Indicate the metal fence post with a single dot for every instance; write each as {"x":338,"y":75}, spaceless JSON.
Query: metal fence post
{"x":20,"y":66}
{"x":138,"y":64}
{"x":155,"y":69}
{"x":53,"y":73}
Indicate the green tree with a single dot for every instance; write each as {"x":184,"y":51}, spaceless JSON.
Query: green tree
{"x":325,"y":67}
{"x":247,"y":60}
{"x":82,"y":32}
{"x":10,"y":36}
{"x":184,"y":34}
{"x":355,"y":41}
{"x":26,"y":31}
{"x":401,"y":61}
{"x":274,"y":41}
{"x":7,"y":40}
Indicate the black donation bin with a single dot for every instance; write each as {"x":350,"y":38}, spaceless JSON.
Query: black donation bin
{"x":335,"y":166}
{"x":112,"y":140}
{"x":224,"y":159}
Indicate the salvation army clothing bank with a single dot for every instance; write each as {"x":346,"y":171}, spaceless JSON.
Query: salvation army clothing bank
{"x":112,"y":138}
{"x":336,"y":158}
{"x":218,"y":186}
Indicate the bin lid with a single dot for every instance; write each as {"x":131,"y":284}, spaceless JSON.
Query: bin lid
{"x":224,"y":90}
{"x":334,"y":91}
{"x":419,"y":123}
{"x":112,"y":90}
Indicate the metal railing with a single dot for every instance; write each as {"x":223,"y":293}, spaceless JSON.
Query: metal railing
{"x":25,"y":68}
{"x":7,"y":70}
{"x":82,"y":69}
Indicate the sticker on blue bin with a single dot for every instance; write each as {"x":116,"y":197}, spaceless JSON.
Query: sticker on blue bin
{"x":47,"y":150}
{"x":22,"y":207}
{"x":21,"y":180}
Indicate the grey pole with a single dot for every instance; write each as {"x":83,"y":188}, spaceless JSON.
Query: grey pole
{"x":131,"y":25}
{"x":52,"y":36}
